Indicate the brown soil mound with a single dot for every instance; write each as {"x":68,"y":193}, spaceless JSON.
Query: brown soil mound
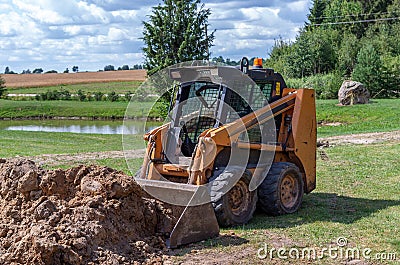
{"x":83,"y":215}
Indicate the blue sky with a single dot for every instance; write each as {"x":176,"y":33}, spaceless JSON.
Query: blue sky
{"x":54,"y":34}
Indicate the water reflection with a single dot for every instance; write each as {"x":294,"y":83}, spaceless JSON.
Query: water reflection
{"x":90,"y":127}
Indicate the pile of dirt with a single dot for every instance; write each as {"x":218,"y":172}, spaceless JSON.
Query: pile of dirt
{"x":83,"y":215}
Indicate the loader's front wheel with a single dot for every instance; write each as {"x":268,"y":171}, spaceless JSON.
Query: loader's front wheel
{"x":282,"y":190}
{"x":238,"y":204}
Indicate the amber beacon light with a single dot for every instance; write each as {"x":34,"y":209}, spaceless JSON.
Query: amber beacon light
{"x":257,"y":63}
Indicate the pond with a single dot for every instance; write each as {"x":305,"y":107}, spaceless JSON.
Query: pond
{"x":80,"y":126}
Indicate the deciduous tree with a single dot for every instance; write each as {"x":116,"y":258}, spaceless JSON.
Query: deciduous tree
{"x":176,"y":31}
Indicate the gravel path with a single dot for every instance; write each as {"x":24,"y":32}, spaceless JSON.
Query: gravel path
{"x":362,"y":138}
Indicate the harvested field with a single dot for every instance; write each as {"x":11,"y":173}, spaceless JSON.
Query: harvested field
{"x":83,"y":215}
{"x":39,"y":80}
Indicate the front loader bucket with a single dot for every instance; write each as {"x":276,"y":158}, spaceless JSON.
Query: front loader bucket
{"x":197,"y":222}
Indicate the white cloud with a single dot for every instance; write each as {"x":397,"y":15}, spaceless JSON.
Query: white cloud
{"x":38,"y":13}
{"x":115,"y":34}
{"x":299,"y":6}
{"x":93,"y":33}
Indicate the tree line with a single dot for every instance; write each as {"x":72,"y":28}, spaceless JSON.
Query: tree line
{"x":341,"y":40}
{"x":75,"y":69}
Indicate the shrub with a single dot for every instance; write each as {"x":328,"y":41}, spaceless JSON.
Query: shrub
{"x":128,"y":96}
{"x":326,"y":86}
{"x":159,"y":109}
{"x":113,"y":96}
{"x":2,"y":87}
{"x":98,"y":96}
{"x":65,"y":95}
{"x":81,"y":95}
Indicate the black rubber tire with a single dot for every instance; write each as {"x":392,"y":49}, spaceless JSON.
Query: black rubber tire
{"x":228,"y":209}
{"x":282,"y":190}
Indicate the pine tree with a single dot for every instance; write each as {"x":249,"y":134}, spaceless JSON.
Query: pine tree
{"x":368,"y":69}
{"x":317,"y":12}
{"x":176,"y":32}
{"x":316,"y":15}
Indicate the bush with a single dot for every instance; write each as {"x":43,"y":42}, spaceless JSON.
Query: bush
{"x":113,"y":96}
{"x":2,"y":87}
{"x":295,"y":82}
{"x":65,"y":94}
{"x":159,"y":109}
{"x":128,"y":96}
{"x":98,"y":96}
{"x":54,"y":95}
{"x":326,"y":86}
{"x":81,"y":95}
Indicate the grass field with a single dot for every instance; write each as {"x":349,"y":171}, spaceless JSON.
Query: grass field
{"x":93,"y":109}
{"x":105,"y":87}
{"x":357,"y":198}
{"x":28,"y":144}
{"x":357,"y":195}
{"x":380,"y":115}
{"x":22,"y":143}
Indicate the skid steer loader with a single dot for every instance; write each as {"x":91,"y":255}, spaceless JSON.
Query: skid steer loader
{"x":236,"y":139}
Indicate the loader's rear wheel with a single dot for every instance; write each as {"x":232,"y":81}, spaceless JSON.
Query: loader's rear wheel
{"x":282,"y":190}
{"x":237,"y":205}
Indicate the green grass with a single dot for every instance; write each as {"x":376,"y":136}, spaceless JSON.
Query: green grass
{"x":21,"y":143}
{"x":357,"y":197}
{"x":93,"y":109}
{"x":105,"y":87}
{"x":379,"y":116}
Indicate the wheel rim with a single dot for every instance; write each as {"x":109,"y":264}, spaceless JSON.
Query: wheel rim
{"x":289,"y":191}
{"x":238,"y":198}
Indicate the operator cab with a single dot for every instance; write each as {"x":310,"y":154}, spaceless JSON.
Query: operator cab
{"x":270,"y":83}
{"x":209,"y":103}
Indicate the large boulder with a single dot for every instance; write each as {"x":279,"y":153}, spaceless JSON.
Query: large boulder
{"x":352,"y":92}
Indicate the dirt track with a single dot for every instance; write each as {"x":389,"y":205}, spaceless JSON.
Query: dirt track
{"x":362,"y":138}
